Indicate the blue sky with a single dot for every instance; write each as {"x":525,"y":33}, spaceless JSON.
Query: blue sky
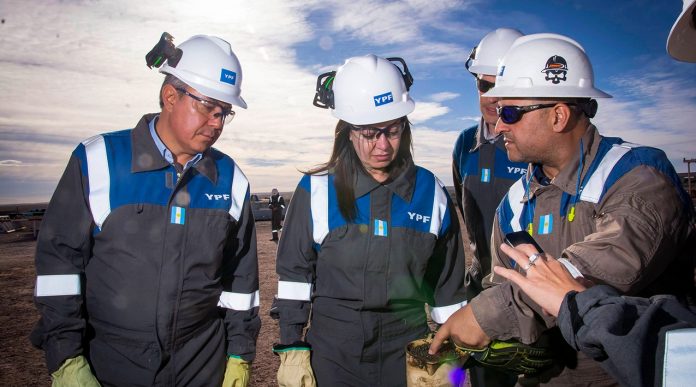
{"x":77,"y":69}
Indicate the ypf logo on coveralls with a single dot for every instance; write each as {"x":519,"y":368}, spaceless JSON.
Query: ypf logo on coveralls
{"x":418,"y":217}
{"x":218,"y":196}
{"x":383,"y":99}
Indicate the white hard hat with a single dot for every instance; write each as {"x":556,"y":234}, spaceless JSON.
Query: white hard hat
{"x":545,"y":65}
{"x":681,"y":43}
{"x":366,"y":90}
{"x":486,"y":56}
{"x":208,"y":65}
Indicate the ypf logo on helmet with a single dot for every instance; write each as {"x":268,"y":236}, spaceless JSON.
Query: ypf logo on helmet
{"x":366,"y":90}
{"x":556,"y":69}
{"x":383,"y":99}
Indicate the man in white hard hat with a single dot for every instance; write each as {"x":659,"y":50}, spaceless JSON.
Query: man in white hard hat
{"x":614,"y":212}
{"x":146,"y":264}
{"x":483,"y":174}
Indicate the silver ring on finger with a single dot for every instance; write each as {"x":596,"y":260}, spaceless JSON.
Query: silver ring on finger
{"x":528,"y":266}
{"x":534,"y":257}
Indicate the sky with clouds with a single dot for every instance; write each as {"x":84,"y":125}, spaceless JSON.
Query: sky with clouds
{"x":71,"y":69}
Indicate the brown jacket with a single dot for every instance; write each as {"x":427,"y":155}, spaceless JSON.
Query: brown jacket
{"x":633,"y":229}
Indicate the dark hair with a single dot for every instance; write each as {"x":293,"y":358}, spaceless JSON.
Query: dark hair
{"x":345,"y":164}
{"x":171,"y":80}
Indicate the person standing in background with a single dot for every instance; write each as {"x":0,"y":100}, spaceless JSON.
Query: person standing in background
{"x":277,"y":204}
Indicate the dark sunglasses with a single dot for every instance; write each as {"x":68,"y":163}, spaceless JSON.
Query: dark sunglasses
{"x":371,"y":133}
{"x":511,"y":114}
{"x":483,"y":86}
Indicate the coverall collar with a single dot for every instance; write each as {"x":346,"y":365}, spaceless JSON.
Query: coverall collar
{"x":481,"y":139}
{"x":567,"y":178}
{"x":147,"y":157}
{"x":403,"y":185}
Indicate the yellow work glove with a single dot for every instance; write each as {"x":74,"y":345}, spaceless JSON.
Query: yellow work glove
{"x":237,"y":373}
{"x":74,"y":372}
{"x":295,"y":368}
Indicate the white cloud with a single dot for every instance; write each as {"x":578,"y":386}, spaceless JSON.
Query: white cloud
{"x":427,"y":110}
{"x":444,"y":96}
{"x":653,"y":109}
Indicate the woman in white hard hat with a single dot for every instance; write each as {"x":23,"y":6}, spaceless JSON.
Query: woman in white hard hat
{"x":368,"y":240}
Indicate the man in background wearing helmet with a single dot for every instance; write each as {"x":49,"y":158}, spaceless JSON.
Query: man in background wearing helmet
{"x":483,"y":174}
{"x":277,"y":204}
{"x":146,"y":262}
{"x":614,"y":212}
{"x":369,"y":239}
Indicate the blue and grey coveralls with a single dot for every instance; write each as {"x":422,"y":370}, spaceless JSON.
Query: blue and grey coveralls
{"x":367,"y":282}
{"x":482,"y":175}
{"x":153,"y":278}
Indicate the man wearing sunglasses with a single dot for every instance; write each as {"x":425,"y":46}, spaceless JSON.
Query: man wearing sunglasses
{"x":483,"y":174}
{"x":613,"y":211}
{"x":146,"y":264}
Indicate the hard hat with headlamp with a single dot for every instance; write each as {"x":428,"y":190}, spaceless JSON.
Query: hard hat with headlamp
{"x":206,"y":63}
{"x":366,"y":90}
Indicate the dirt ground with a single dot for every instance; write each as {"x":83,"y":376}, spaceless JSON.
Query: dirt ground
{"x":23,"y":365}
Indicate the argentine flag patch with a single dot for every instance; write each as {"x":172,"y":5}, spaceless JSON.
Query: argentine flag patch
{"x":546,"y":224}
{"x":178,"y":215}
{"x":380,"y":227}
{"x":485,"y":175}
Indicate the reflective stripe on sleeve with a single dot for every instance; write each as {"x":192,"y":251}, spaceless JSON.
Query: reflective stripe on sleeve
{"x":240,"y":185}
{"x":594,"y":187}
{"x":99,"y":179}
{"x":440,"y":314}
{"x":57,"y":285}
{"x":439,"y":208}
{"x":320,"y":207}
{"x":515,"y":198}
{"x":239,"y":301}
{"x":299,"y":291}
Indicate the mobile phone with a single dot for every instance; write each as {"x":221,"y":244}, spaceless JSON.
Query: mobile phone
{"x":519,"y":237}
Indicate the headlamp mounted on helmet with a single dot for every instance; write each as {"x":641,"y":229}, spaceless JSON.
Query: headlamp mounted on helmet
{"x":164,"y":50}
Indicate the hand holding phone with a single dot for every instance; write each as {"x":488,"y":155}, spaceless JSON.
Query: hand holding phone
{"x":520,"y":237}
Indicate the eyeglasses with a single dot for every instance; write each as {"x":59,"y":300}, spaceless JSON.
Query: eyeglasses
{"x":483,"y":86}
{"x":511,"y":114}
{"x":206,"y":107}
{"x":371,"y":133}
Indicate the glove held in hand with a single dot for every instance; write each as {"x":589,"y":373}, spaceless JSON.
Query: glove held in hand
{"x":511,"y":356}
{"x":74,"y":372}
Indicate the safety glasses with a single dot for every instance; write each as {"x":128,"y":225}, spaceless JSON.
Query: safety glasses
{"x":371,"y":133}
{"x":206,"y":107}
{"x":483,"y":86}
{"x":511,"y":114}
